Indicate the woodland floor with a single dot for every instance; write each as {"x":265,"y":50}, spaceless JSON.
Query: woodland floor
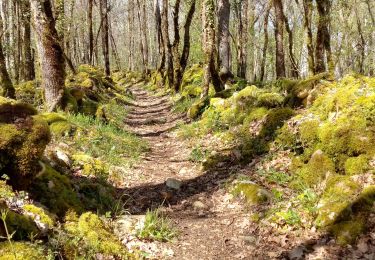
{"x":210,"y":223}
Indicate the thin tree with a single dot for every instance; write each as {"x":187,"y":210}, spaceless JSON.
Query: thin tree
{"x":105,"y":35}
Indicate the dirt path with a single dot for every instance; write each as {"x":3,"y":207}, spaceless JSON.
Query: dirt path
{"x":211,"y":223}
{"x":210,"y":227}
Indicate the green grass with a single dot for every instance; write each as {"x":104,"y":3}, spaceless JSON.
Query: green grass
{"x":157,"y":227}
{"x":184,"y":104}
{"x":106,"y":141}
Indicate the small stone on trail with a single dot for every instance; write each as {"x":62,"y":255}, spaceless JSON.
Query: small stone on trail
{"x":199,"y":205}
{"x":249,"y":240}
{"x":173,"y":184}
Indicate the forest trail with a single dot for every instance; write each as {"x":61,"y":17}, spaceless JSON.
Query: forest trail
{"x":209,"y":225}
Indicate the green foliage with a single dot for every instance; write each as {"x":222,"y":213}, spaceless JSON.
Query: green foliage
{"x":157,"y":227}
{"x":22,"y":251}
{"x":105,"y":142}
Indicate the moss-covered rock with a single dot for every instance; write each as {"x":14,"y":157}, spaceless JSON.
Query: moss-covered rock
{"x":251,"y":192}
{"x":346,"y":232}
{"x":22,"y":141}
{"x":91,"y":237}
{"x":55,"y":191}
{"x":335,"y":203}
{"x":198,"y":108}
{"x":315,"y":171}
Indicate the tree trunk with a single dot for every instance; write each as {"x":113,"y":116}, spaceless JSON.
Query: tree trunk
{"x":167,"y":44}
{"x":176,"y":47}
{"x":294,"y":65}
{"x":90,"y":31}
{"x":307,"y":7}
{"x":186,"y":49}
{"x":159,"y":36}
{"x":28,"y":63}
{"x":265,"y":45}
{"x":210,"y":72}
{"x":323,"y":38}
{"x":142,"y":39}
{"x":279,"y":36}
{"x":105,"y":35}
{"x":223,"y":39}
{"x":50,"y":53}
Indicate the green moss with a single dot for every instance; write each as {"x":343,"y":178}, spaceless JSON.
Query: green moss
{"x":30,"y":92}
{"x":312,"y":173}
{"x":346,"y":232}
{"x":21,"y":251}
{"x":90,"y":166}
{"x":357,"y":165}
{"x":270,"y":99}
{"x":197,"y":108}
{"x":251,"y":192}
{"x":192,"y":81}
{"x":40,"y":214}
{"x":336,"y":200}
{"x":21,"y":146}
{"x":274,"y":120}
{"x":11,"y":110}
{"x":55,"y":191}
{"x":309,"y":132}
{"x":90,"y":237}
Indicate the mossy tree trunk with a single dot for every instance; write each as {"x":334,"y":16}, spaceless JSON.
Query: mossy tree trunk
{"x":210,"y":72}
{"x":307,"y":7}
{"x":50,"y":53}
{"x":224,"y":56}
{"x":279,"y":37}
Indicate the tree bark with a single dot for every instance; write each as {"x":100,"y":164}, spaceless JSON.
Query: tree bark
{"x":167,"y":44}
{"x":105,"y":35}
{"x":279,"y":36}
{"x":307,"y":7}
{"x":50,"y":53}
{"x":90,"y":31}
{"x":223,"y":38}
{"x":323,"y":38}
{"x":265,"y":45}
{"x":29,"y":69}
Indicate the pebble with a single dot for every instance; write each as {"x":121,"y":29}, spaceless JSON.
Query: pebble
{"x":173,"y":184}
{"x":199,"y":205}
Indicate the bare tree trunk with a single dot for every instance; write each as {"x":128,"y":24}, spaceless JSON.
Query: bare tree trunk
{"x":323,"y":41}
{"x":223,"y":39}
{"x":186,"y":49}
{"x":176,"y":47}
{"x":105,"y":35}
{"x":50,"y":53}
{"x":279,"y":36}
